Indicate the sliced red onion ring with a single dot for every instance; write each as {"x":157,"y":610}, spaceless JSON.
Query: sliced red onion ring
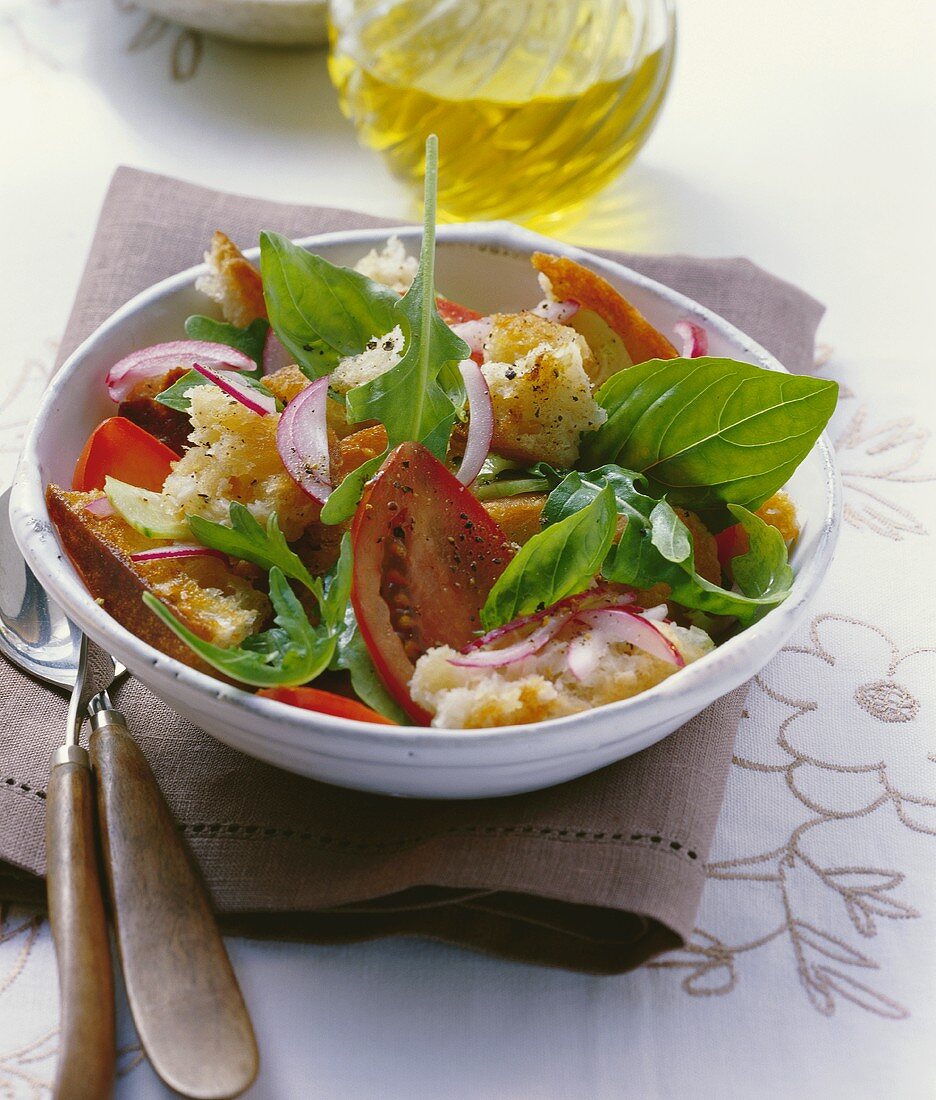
{"x":497,"y":658}
{"x":474,"y":655}
{"x":260,"y":403}
{"x":100,"y":507}
{"x":302,"y":440}
{"x":154,"y":361}
{"x":275,"y":354}
{"x":694,"y":338}
{"x":179,"y":550}
{"x":560,"y":312}
{"x":620,"y":624}
{"x":480,"y":421}
{"x":475,"y":333}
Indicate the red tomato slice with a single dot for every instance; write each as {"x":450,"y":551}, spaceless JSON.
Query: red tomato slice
{"x":119,"y":448}
{"x":453,"y":314}
{"x":325,"y":702}
{"x":731,"y":542}
{"x":426,"y":554}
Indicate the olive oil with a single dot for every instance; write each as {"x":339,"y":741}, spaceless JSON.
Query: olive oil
{"x":537,"y":104}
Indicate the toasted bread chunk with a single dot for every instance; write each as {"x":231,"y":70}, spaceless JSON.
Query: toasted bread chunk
{"x":356,"y":449}
{"x":214,"y":602}
{"x":286,"y":383}
{"x":543,"y":399}
{"x":514,"y":335}
{"x":233,"y":282}
{"x":518,"y":517}
{"x":233,"y":456}
{"x":570,"y":280}
{"x":390,"y":266}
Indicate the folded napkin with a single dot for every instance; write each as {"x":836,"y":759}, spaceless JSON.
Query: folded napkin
{"x":598,"y":874}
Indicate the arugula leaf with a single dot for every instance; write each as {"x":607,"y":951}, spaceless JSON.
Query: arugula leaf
{"x":499,"y":478}
{"x":175,"y":396}
{"x":344,"y":498}
{"x":558,"y":562}
{"x":290,"y":653}
{"x":246,"y":540}
{"x":335,"y":600}
{"x":321,"y":312}
{"x":415,"y":399}
{"x":709,"y":432}
{"x":656,"y":547}
{"x":249,"y":340}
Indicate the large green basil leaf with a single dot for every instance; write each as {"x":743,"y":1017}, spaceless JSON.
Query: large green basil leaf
{"x":557,"y":562}
{"x":709,"y":432}
{"x":288,"y":654}
{"x":321,"y":312}
{"x":249,"y":340}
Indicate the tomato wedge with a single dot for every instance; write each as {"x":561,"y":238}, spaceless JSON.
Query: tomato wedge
{"x":453,"y":314}
{"x":426,"y":554}
{"x":119,"y":448}
{"x":325,"y":702}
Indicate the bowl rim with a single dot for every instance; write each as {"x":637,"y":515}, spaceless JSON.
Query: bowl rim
{"x":689,"y":691}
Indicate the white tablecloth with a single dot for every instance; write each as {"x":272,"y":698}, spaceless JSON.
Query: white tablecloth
{"x":801,"y":135}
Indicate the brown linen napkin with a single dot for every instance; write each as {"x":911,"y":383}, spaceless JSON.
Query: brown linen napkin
{"x":598,"y":874}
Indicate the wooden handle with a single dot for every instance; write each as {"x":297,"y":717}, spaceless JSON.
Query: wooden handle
{"x":183,"y":994}
{"x":86,"y":1053}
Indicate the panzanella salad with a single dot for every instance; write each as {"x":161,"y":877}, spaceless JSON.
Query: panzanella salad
{"x":359,"y":497}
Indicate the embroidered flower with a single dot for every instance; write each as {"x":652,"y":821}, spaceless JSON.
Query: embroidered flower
{"x":860,"y":727}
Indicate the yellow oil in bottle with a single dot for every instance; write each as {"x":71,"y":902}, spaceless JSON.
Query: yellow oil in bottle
{"x":537,"y":104}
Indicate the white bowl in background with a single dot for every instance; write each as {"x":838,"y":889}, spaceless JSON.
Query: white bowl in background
{"x":487,"y":266}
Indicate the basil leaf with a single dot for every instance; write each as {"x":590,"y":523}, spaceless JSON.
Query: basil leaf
{"x":656,"y":547}
{"x":764,"y":570}
{"x":558,"y":562}
{"x":709,"y":432}
{"x":175,"y":396}
{"x":419,"y":397}
{"x":288,"y":654}
{"x":246,"y":540}
{"x":249,"y":340}
{"x":321,"y":312}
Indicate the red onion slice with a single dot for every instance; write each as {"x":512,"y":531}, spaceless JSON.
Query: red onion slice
{"x":302,"y":440}
{"x":100,"y":507}
{"x":260,"y":403}
{"x":559,"y":312}
{"x":497,"y":658}
{"x":179,"y":550}
{"x":694,"y":339}
{"x":474,"y":655}
{"x":157,"y":360}
{"x":275,"y":354}
{"x":480,"y":421}
{"x":620,"y":624}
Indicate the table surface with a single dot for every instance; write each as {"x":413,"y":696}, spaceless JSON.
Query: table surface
{"x":799,"y":135}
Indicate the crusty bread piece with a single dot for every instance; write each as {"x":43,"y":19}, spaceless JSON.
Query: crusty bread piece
{"x":390,"y":266}
{"x":233,"y":457}
{"x":542,"y":398}
{"x":214,"y":602}
{"x":233,"y":282}
{"x":570,"y":280}
{"x":542,"y":686}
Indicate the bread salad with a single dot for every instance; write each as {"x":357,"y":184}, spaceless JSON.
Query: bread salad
{"x":356,"y":496}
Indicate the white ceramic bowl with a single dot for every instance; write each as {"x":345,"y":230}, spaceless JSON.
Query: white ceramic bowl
{"x":487,"y":266}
